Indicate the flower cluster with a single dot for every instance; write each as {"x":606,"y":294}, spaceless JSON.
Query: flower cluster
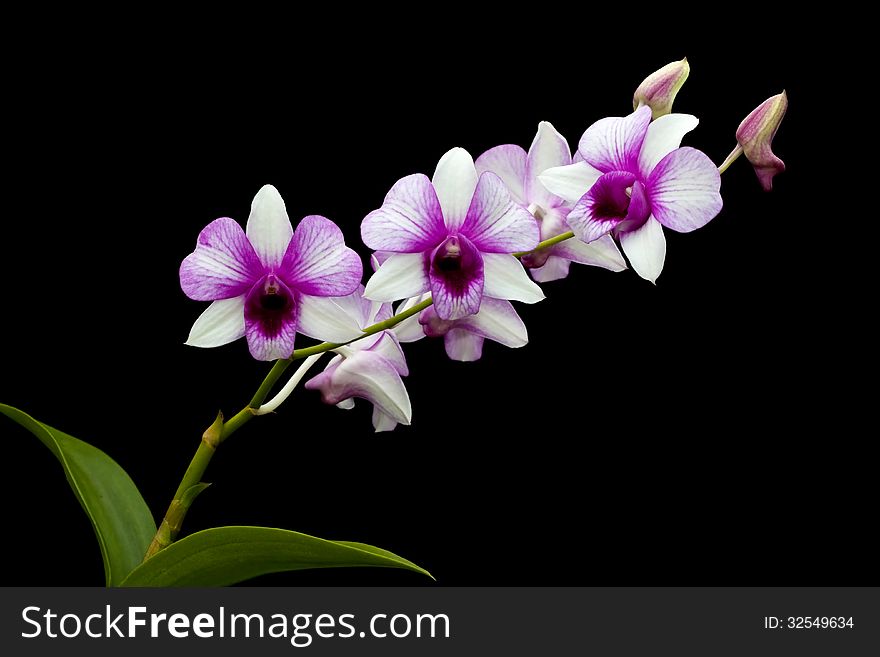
{"x":455,"y":248}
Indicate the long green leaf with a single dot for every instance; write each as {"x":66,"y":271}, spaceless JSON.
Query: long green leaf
{"x":228,"y":555}
{"x":122,"y":521}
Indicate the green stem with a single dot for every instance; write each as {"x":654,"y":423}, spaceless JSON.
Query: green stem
{"x":191,"y":484}
{"x":734,"y":155}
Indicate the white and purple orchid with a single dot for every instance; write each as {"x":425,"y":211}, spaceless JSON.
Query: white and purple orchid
{"x":370,"y":368}
{"x":519,"y":171}
{"x":264,"y":281}
{"x":453,"y":236}
{"x":633,"y":180}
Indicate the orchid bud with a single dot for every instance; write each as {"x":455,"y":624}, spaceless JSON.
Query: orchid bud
{"x":659,"y":89}
{"x":755,"y":137}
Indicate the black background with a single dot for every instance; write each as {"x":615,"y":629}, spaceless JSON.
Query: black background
{"x":688,"y":433}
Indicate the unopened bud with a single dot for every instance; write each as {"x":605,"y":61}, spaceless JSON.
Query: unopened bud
{"x":660,"y":88}
{"x":755,"y":136}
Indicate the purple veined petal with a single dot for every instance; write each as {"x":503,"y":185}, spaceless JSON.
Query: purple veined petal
{"x":685,"y":190}
{"x":409,"y":330}
{"x":602,"y":252}
{"x":410,"y":219}
{"x":507,"y":279}
{"x":664,"y":136}
{"x":508,"y":162}
{"x":317,"y":262}
{"x":365,"y":375}
{"x":463,"y":346}
{"x":325,"y":319}
{"x":455,"y":179}
{"x":548,"y":150}
{"x":268,"y":226}
{"x":221,"y":323}
{"x":401,"y":276}
{"x":456,"y":277}
{"x":271,"y":313}
{"x":613,"y":144}
{"x":494,"y":223}
{"x":553,"y":269}
{"x":638,"y":211}
{"x":604,"y":207}
{"x":224,"y":264}
{"x":646,"y":249}
{"x":389,"y":348}
{"x":382,"y":421}
{"x":570,"y":182}
{"x":498,"y":321}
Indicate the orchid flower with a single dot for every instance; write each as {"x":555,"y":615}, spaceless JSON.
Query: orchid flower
{"x":519,"y":171}
{"x":453,"y":236}
{"x":369,"y":368}
{"x":265,"y":282}
{"x":633,"y":180}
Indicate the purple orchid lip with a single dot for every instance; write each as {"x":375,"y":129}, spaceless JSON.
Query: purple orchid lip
{"x":270,"y":304}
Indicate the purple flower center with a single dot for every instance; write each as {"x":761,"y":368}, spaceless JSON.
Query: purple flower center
{"x":271,"y":303}
{"x":613,"y":199}
{"x":619,"y":201}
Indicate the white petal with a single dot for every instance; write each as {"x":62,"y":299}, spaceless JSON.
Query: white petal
{"x":570,"y":182}
{"x":389,"y":348}
{"x":382,"y":421}
{"x":401,"y":276}
{"x":268,"y":226}
{"x":554,"y":269}
{"x":346,"y":404}
{"x":455,"y":180}
{"x":498,"y":321}
{"x":325,"y":318}
{"x":548,"y":150}
{"x":602,"y":252}
{"x":505,"y":278}
{"x":646,"y":249}
{"x":463,"y":346}
{"x":664,"y":136}
{"x":409,"y":330}
{"x":220,"y":324}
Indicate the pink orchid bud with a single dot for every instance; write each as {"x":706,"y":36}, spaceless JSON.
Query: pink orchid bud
{"x":755,"y":136}
{"x":659,"y":89}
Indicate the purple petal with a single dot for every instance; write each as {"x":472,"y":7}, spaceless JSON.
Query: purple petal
{"x":221,"y":323}
{"x":401,"y":276}
{"x":508,"y":162}
{"x":684,"y":189}
{"x":604,"y":207}
{"x":664,"y":136}
{"x":549,"y":149}
{"x":454,"y":181}
{"x":365,"y":375}
{"x":613,"y":144}
{"x":317,"y":261}
{"x":268,"y":226}
{"x":410,"y":219}
{"x":271,"y":311}
{"x":224,"y":264}
{"x":646,"y":249}
{"x":498,"y":321}
{"x":456,"y":277}
{"x":494,"y":223}
{"x":463,"y":346}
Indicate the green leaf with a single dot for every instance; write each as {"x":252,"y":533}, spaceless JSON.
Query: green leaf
{"x":122,"y":521}
{"x":227,"y":555}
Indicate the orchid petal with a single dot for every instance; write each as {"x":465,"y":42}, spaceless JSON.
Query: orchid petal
{"x":548,"y":150}
{"x":664,"y":136}
{"x":508,"y":162}
{"x":224,"y":264}
{"x":457,"y":287}
{"x":400,"y":276}
{"x":268,"y":226}
{"x":646,"y":249}
{"x":684,"y":189}
{"x":382,"y":421}
{"x":602,"y":208}
{"x":553,"y":269}
{"x":462,"y":345}
{"x":570,"y":182}
{"x":613,"y":144}
{"x":498,"y":321}
{"x":494,"y":223}
{"x":389,"y":348}
{"x":409,"y":330}
{"x":410,"y":219}
{"x":347,"y":405}
{"x":506,"y":279}
{"x":221,"y":323}
{"x":455,"y":179}
{"x":602,"y":252}
{"x":317,"y":262}
{"x":324,"y":318}
{"x":270,"y":329}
